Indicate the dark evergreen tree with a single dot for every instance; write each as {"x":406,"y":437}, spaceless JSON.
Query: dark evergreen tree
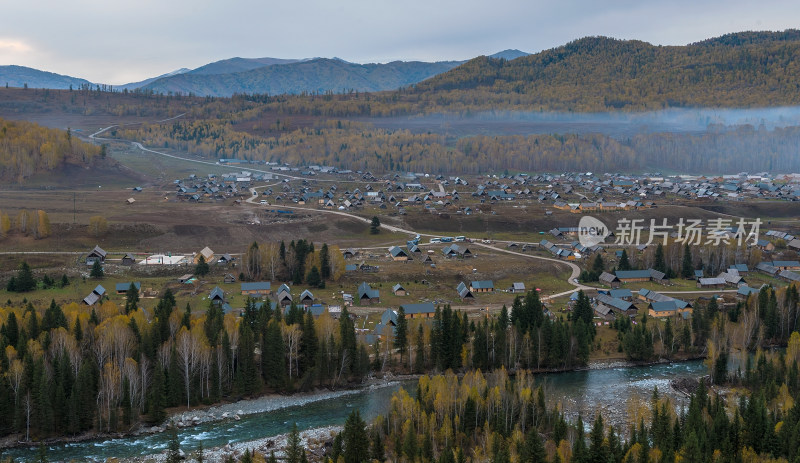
{"x":174,"y":448}
{"x":23,"y":281}
{"x":324,"y":262}
{"x":314,"y":279}
{"x":401,"y":333}
{"x":687,"y":270}
{"x":273,"y":363}
{"x":247,"y":379}
{"x":97,"y":270}
{"x":355,"y":441}
{"x":293,"y":448}
{"x":156,"y":397}
{"x":202,"y":268}
{"x":309,"y":345}
{"x":624,"y":264}
{"x":131,"y":299}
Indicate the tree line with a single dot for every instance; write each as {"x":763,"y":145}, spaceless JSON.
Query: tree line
{"x":105,"y":368}
{"x":298,"y":262}
{"x":27,"y":148}
{"x":357,"y":146}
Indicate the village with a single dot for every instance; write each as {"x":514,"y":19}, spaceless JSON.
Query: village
{"x":375,"y":299}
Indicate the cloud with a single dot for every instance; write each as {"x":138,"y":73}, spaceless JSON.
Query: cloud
{"x":13,"y":46}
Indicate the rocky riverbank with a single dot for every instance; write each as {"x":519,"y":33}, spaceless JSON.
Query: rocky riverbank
{"x":314,"y":441}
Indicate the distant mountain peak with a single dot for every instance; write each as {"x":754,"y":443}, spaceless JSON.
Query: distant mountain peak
{"x":509,"y":54}
{"x":176,"y":72}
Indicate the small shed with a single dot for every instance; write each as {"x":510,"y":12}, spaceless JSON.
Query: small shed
{"x":399,"y":290}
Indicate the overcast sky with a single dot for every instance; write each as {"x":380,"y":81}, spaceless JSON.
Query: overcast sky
{"x":120,"y":41}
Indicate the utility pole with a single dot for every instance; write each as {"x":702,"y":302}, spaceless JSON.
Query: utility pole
{"x":73,"y":207}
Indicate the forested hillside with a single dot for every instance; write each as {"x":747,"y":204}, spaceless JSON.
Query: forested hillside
{"x":27,"y":148}
{"x":315,"y":76}
{"x":600,"y":73}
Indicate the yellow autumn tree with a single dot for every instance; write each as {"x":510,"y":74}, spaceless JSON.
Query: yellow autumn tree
{"x":42,"y":225}
{"x":98,"y":225}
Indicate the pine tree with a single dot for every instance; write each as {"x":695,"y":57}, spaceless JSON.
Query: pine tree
{"x":659,"y":263}
{"x":308,"y":344}
{"x":580,"y":454}
{"x":375,"y":226}
{"x":202,"y":268}
{"x":314,"y":279}
{"x":598,"y":266}
{"x":598,"y":449}
{"x":623,"y":261}
{"x":377,"y":450}
{"x":533,"y":450}
{"x":24,"y":280}
{"x":186,"y":320}
{"x":355,"y":440}
{"x":131,"y":299}
{"x":293,"y":447}
{"x":324,"y":262}
{"x":687,"y":271}
{"x":401,"y":333}
{"x":174,"y":449}
{"x":273,"y":356}
{"x":247,"y":379}
{"x":419,"y":360}
{"x":97,"y":270}
{"x":583,"y":308}
{"x":156,"y":399}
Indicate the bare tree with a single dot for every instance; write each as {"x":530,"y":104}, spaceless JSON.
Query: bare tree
{"x":271,"y":258}
{"x":189,"y":350}
{"x":291,"y":336}
{"x":130,"y":371}
{"x":144,"y":375}
{"x":16,"y":372}
{"x":108,"y":396}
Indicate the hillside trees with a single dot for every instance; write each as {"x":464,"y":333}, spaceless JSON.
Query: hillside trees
{"x":298,"y":261}
{"x":27,"y":148}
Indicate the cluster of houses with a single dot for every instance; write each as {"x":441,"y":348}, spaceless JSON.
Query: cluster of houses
{"x":217,"y":187}
{"x":389,"y":317}
{"x":620,"y":301}
{"x":629,"y":191}
{"x":609,"y":304}
{"x":262,"y":292}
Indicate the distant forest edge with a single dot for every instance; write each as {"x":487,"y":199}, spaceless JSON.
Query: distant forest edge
{"x":27,"y":148}
{"x":356,"y":146}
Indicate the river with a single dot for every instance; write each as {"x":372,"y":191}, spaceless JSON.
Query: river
{"x":578,"y":391}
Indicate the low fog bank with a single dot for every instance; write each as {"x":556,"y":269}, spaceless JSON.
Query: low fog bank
{"x":617,"y":124}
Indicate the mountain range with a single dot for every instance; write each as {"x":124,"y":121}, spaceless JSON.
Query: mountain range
{"x":262,"y":75}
